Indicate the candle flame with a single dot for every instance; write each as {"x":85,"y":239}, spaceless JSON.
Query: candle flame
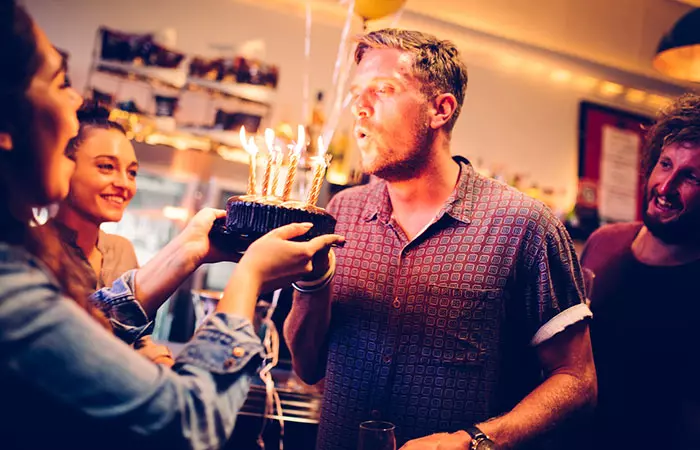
{"x":248,"y":146}
{"x":319,"y":160}
{"x":301,"y":140}
{"x":243,"y":137}
{"x":252,"y":148}
{"x":321,"y":147}
{"x":270,"y":139}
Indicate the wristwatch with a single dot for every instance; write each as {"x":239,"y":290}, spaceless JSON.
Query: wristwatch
{"x":480,"y":441}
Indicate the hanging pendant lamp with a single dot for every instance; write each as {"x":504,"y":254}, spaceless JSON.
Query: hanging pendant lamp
{"x":678,"y":55}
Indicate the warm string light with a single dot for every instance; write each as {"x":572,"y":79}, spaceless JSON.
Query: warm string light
{"x":293,"y":163}
{"x":252,"y":150}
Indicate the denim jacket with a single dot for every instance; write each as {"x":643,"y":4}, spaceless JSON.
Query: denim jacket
{"x":67,"y":383}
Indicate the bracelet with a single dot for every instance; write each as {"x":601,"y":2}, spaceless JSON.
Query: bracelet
{"x":308,"y":287}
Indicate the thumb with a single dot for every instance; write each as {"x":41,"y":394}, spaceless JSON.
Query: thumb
{"x":290,"y":231}
{"x":218,"y":213}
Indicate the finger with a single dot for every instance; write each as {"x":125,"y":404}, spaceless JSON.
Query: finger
{"x":219,"y":213}
{"x":290,"y":231}
{"x":209,"y":214}
{"x":325,"y":240}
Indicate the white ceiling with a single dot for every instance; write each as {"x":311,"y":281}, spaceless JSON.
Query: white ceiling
{"x":621,"y":34}
{"x":618,"y":33}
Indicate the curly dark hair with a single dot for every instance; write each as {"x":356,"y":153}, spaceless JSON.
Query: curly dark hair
{"x":679,"y":122}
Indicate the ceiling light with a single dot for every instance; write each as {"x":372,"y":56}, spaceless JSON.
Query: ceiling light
{"x":678,"y":55}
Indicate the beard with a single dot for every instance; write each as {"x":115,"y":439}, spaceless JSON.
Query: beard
{"x":409,"y":164}
{"x":683,"y":229}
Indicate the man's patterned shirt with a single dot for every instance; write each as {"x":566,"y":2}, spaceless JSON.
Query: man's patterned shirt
{"x":439,"y":333}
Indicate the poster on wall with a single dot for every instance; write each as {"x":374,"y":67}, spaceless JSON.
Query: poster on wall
{"x":610,"y":182}
{"x":619,"y":175}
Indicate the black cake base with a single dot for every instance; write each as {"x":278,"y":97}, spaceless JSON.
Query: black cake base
{"x":250,"y":217}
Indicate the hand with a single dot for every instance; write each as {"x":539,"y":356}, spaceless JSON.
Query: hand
{"x":275,"y":261}
{"x":319,"y":264}
{"x":159,"y":354}
{"x":196,"y":239}
{"x":440,"y":441}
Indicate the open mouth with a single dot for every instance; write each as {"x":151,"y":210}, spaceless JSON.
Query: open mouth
{"x":360,"y":133}
{"x":664,"y":205}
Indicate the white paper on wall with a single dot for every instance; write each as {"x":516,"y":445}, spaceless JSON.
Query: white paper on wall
{"x":619,"y":175}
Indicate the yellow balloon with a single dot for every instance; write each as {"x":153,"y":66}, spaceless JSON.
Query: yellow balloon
{"x":376,"y":9}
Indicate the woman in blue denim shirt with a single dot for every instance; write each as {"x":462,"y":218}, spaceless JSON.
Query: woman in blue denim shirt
{"x":65,"y":380}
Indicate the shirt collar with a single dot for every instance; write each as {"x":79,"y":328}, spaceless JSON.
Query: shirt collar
{"x":459,"y":204}
{"x":70,"y":237}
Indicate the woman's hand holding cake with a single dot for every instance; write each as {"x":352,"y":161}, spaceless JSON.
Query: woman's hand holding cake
{"x":274,"y":261}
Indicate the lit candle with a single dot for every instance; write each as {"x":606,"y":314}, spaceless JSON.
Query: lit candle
{"x":274,"y":160}
{"x":269,"y":141}
{"x":252,"y":151}
{"x":277,"y":163}
{"x":292,"y":163}
{"x":320,"y":163}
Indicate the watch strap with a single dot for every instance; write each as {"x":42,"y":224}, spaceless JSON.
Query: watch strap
{"x":477,"y":436}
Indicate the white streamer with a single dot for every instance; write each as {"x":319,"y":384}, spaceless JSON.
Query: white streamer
{"x":307,"y":63}
{"x":343,"y":41}
{"x":397,"y":16}
{"x":271,"y":342}
{"x":341,"y":99}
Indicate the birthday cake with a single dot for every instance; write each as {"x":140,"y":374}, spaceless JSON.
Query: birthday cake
{"x":248,"y":217}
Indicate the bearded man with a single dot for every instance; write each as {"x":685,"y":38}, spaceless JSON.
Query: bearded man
{"x":645,"y":298}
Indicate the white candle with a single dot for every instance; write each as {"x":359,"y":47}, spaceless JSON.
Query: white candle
{"x":320,"y":164}
{"x":252,"y":151}
{"x":293,"y":163}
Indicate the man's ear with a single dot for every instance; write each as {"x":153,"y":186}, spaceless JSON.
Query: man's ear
{"x":445,"y":106}
{"x":5,"y":141}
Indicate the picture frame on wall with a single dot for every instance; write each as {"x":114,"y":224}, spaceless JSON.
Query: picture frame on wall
{"x":610,"y":187}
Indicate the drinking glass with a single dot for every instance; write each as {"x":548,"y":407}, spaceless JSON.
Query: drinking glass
{"x":376,"y":435}
{"x":588,"y":278}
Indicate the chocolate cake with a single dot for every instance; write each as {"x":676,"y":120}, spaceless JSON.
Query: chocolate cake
{"x":248,"y":217}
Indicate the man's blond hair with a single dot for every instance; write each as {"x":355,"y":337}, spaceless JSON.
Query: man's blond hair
{"x":436,"y":63}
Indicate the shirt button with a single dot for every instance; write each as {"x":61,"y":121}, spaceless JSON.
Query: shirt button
{"x":228,"y":363}
{"x":387,"y":359}
{"x":396,"y":303}
{"x":376,"y":414}
{"x":238,"y":352}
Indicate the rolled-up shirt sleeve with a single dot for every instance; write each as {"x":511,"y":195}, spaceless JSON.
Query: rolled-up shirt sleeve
{"x":118,"y":303}
{"x":194,"y":405}
{"x":553,"y":283}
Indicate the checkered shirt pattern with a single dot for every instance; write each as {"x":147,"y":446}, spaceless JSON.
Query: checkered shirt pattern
{"x":436,"y":334}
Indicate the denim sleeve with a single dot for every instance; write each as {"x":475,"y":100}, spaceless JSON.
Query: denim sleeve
{"x":129,"y":321}
{"x":92,"y":373}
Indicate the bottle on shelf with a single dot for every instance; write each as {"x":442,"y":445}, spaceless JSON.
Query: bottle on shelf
{"x":316,"y":123}
{"x":339,"y":170}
